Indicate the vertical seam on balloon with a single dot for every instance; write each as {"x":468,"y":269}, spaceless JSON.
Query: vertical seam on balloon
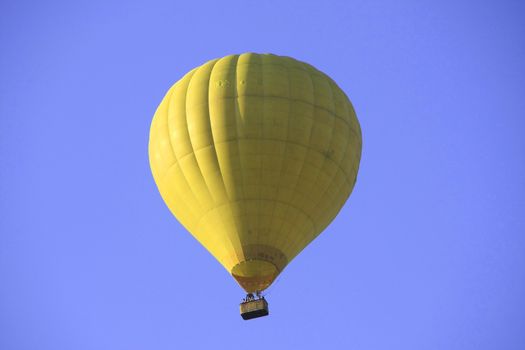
{"x":239,"y":224}
{"x":278,"y":234}
{"x":260,"y":136}
{"x":193,"y":151}
{"x":228,"y":234}
{"x":294,"y":187}
{"x":341,"y":167}
{"x":163,"y":118}
{"x":203,"y":177}
{"x":175,"y":154}
{"x":322,"y":226}
{"x":169,"y":139}
{"x":325,"y":161}
{"x":199,"y":232}
{"x":237,"y":110}
{"x":237,"y":117}
{"x":167,"y":101}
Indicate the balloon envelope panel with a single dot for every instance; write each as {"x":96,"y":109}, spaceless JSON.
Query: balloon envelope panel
{"x":255,"y":154}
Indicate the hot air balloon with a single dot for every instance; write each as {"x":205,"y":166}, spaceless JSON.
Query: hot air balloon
{"x":255,"y":154}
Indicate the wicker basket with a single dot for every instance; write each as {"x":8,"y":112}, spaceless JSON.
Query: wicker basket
{"x":254,"y":308}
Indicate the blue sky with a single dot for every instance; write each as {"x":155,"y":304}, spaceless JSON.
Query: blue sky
{"x":428,"y":253}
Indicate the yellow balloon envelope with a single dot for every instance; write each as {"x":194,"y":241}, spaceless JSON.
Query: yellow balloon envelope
{"x":255,"y":154}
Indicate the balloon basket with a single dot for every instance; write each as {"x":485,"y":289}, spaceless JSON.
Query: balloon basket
{"x":254,"y":308}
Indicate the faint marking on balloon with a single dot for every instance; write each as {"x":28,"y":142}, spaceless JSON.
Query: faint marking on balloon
{"x":222,"y":83}
{"x":328,"y":154}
